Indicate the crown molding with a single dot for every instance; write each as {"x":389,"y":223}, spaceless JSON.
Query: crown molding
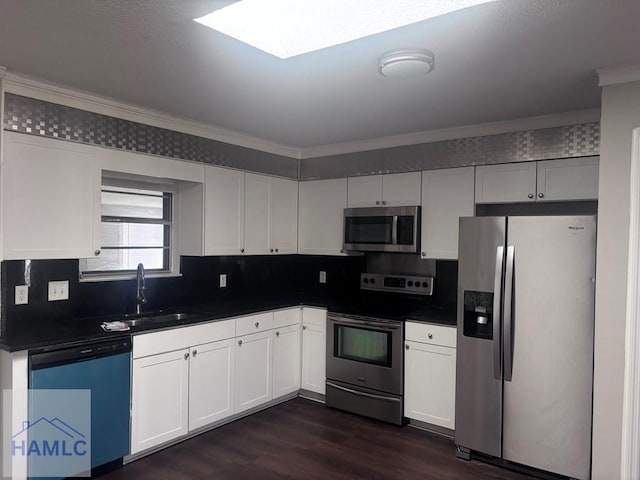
{"x":616,"y":75}
{"x":49,"y":92}
{"x":479,"y":130}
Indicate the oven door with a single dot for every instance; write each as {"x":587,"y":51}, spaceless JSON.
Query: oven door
{"x":389,"y":229}
{"x":365,"y":352}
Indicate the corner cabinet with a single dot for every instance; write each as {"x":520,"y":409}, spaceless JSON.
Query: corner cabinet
{"x":447,"y":195}
{"x":320,"y":227}
{"x":397,"y":189}
{"x":571,"y":179}
{"x":430,"y":374}
{"x":49,"y":193}
{"x":314,"y":350}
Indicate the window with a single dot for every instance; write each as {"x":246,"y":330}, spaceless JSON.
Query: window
{"x":136,"y":227}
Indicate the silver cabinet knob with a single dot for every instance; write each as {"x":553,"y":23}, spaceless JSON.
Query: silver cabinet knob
{"x":406,"y":347}
{"x":377,"y":202}
{"x":96,"y":253}
{"x":242,"y":250}
{"x":272,"y":250}
{"x":424,"y":254}
{"x":530,"y":195}
{"x":430,"y":335}
{"x":186,"y":355}
{"x":341,"y":250}
{"x":384,"y":202}
{"x":239,"y":343}
{"x":541,"y":195}
{"x":304,"y":327}
{"x":277,"y":334}
{"x":276,"y":250}
{"x":257,"y":324}
{"x":195,"y":352}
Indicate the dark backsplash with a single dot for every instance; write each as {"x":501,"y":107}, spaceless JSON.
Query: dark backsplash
{"x":293,"y":278}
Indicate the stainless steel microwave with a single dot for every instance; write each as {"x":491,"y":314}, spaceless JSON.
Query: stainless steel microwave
{"x":382,"y":229}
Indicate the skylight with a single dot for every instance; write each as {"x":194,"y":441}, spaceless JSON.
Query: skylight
{"x":286,"y":28}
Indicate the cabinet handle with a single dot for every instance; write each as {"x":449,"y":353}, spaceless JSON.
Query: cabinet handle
{"x":341,"y":250}
{"x":277,"y":334}
{"x":242,"y":250}
{"x":377,"y":202}
{"x":272,"y":250}
{"x":304,"y":327}
{"x":96,"y":253}
{"x":239,"y":343}
{"x":541,"y":195}
{"x":430,"y":335}
{"x":530,"y":195}
{"x":406,"y":347}
{"x":424,"y":254}
{"x":195,"y":352}
{"x":186,"y":355}
{"x":276,"y":250}
{"x":384,"y":202}
{"x":257,"y":324}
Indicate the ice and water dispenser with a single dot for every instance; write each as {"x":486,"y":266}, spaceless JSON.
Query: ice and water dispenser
{"x":478,"y":314}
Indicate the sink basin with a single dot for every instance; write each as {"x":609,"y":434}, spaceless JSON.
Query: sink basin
{"x":160,"y":318}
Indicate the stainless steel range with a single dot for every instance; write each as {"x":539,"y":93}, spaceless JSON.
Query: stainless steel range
{"x":364,"y":352}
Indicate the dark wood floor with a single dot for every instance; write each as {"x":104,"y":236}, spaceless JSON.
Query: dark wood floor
{"x":305,"y":440}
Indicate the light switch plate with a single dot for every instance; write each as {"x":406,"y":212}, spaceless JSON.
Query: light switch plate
{"x":22,"y":295}
{"x":59,"y":290}
{"x":323,"y":276}
{"x":223,"y":280}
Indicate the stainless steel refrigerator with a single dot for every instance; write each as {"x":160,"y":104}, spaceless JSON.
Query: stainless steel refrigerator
{"x":524,"y":374}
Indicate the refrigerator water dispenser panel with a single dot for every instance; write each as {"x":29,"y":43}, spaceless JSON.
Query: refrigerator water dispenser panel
{"x":478,"y":314}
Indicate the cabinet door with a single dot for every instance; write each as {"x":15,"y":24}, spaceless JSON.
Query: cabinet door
{"x":50,"y":199}
{"x":314,"y":350}
{"x":401,"y":189}
{"x":321,"y":218}
{"x":286,"y":360}
{"x":510,"y":182}
{"x":284,"y":216}
{"x":364,"y":191}
{"x":256,"y":214}
{"x":569,"y":179}
{"x":211,"y":382}
{"x":253,"y":370}
{"x":429,"y":383}
{"x":223,"y":211}
{"x":160,"y":399}
{"x":447,"y":195}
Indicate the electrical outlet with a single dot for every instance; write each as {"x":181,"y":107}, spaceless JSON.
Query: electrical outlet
{"x":323,"y":276}
{"x":59,"y":290}
{"x":22,"y":295}
{"x":223,"y":280}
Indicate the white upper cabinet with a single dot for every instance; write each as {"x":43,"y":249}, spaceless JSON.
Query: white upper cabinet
{"x":283,"y":216}
{"x":322,"y":204}
{"x":570,"y":179}
{"x":50,"y":197}
{"x":271,"y":215}
{"x":447,"y":195}
{"x":224,"y":207}
{"x":543,"y":181}
{"x":397,"y":189}
{"x":505,"y":183}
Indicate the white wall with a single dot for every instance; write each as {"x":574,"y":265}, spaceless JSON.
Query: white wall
{"x":620,"y":115}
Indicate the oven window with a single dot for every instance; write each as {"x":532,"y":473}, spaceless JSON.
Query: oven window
{"x":363,"y":345}
{"x":374,"y":230}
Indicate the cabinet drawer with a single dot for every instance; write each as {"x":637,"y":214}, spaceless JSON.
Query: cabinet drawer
{"x":283,"y":318}
{"x":254,"y":323}
{"x":430,"y":333}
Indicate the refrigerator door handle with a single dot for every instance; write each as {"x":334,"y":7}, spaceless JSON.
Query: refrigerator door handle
{"x":508,"y":315}
{"x":497,"y":302}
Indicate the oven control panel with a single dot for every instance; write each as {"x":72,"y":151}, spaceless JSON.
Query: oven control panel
{"x":414,"y":284}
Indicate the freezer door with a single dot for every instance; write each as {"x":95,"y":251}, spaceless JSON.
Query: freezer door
{"x":478,"y":355}
{"x":547,"y":401}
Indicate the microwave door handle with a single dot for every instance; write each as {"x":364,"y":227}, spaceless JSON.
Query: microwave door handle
{"x":394,"y":230}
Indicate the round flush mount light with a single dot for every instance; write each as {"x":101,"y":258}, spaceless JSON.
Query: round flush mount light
{"x":406,"y":63}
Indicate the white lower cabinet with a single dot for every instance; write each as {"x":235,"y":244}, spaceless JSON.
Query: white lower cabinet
{"x":211,"y":383}
{"x":430,"y":374}
{"x":286,"y":360}
{"x":314,"y":350}
{"x":160,"y":399}
{"x":253,"y":370}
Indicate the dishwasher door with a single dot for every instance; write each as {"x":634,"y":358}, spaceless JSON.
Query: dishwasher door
{"x":104,"y":368}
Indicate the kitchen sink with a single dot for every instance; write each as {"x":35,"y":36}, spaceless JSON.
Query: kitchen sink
{"x":151,"y":318}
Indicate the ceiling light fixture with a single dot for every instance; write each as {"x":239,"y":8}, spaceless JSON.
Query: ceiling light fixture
{"x":406,"y":63}
{"x":286,"y":28}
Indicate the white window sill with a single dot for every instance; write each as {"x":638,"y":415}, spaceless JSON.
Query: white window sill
{"x":129,"y":276}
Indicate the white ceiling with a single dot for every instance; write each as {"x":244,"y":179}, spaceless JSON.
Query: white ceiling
{"x":498,"y":61}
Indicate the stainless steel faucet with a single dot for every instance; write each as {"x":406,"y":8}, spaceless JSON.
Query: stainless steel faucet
{"x":140,"y":286}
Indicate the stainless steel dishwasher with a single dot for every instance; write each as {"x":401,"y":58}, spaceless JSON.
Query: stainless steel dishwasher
{"x":104,"y":368}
